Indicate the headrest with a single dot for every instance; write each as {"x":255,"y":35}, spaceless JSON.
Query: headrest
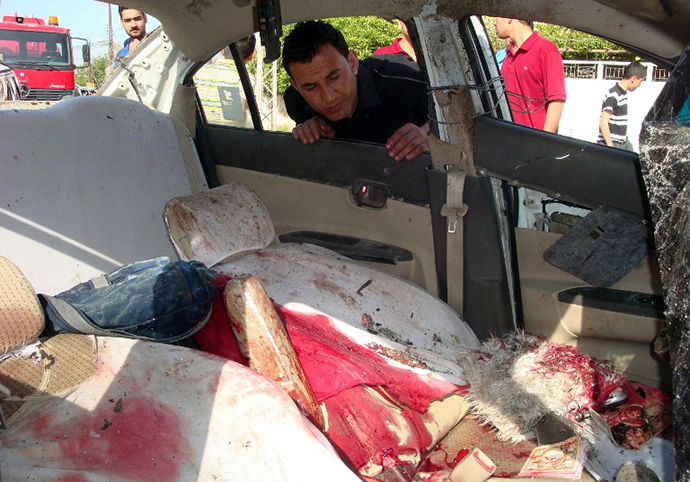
{"x":225,"y":222}
{"x":21,"y":315}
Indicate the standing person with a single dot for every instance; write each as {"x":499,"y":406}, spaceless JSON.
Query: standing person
{"x":613,"y":124}
{"x":333,"y":94}
{"x":134,"y":23}
{"x":533,"y":72}
{"x":401,"y":45}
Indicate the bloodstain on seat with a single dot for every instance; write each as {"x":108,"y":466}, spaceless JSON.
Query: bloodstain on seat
{"x":145,"y":441}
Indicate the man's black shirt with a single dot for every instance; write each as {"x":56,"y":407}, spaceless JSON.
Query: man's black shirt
{"x":391,"y":92}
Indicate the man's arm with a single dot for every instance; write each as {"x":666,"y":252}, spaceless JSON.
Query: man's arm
{"x":554,"y":109}
{"x":408,"y":142}
{"x":554,"y":88}
{"x":604,"y":127}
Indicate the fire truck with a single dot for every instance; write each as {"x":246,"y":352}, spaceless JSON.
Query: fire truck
{"x":41,"y":56}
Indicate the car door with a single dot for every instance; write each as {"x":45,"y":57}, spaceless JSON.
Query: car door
{"x":353,"y":198}
{"x":616,"y":321}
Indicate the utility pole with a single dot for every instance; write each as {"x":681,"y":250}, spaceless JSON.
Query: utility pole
{"x":110,"y":36}
{"x":91,"y":82}
{"x":266,"y":89}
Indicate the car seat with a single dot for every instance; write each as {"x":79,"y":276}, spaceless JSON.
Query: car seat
{"x":231,"y":229}
{"x":74,"y":204}
{"x":377,"y":351}
{"x":79,"y":407}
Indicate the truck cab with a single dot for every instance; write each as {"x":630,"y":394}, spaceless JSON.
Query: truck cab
{"x":40,"y":54}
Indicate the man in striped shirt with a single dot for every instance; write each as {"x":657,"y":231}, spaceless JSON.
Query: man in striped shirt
{"x":613,"y":125}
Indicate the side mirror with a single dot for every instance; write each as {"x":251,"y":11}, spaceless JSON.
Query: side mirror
{"x":86,"y":53}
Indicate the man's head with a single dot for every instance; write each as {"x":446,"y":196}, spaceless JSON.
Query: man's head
{"x":322,"y":69}
{"x":134,"y":22}
{"x":506,"y":27}
{"x":633,"y":75}
{"x":246,"y":46}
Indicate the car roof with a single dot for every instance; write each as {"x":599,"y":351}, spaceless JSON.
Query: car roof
{"x":657,"y":28}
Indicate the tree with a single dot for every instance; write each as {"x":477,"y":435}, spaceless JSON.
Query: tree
{"x":366,"y":34}
{"x":99,"y":65}
{"x":573,"y":44}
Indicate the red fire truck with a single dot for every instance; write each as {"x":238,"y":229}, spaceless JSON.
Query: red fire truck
{"x":40,"y":55}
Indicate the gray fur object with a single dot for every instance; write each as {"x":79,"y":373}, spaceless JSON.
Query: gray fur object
{"x":510,"y":389}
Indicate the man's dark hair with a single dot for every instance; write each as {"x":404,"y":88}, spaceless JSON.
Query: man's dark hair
{"x":529,"y":23}
{"x":634,"y":68}
{"x":304,"y":42}
{"x":122,"y":9}
{"x":245,"y":46}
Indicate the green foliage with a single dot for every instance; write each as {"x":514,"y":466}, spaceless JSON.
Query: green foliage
{"x":99,"y":65}
{"x":574,"y":45}
{"x":366,"y":34}
{"x":363,"y":35}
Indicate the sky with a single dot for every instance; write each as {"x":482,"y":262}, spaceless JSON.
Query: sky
{"x":85,"y":18}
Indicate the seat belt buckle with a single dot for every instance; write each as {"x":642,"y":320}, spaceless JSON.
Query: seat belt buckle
{"x":453,"y":214}
{"x":452,"y":224}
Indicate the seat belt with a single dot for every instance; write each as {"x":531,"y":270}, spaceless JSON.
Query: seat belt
{"x":457,"y":104}
{"x":454,"y":210}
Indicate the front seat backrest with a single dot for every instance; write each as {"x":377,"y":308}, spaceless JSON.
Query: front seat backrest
{"x":221,"y":224}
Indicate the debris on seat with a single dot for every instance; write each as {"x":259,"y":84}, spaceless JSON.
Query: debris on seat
{"x":474,"y":467}
{"x":265,"y":344}
{"x":563,"y":460}
{"x":636,"y":471}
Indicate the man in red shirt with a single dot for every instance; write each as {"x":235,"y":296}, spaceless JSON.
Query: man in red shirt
{"x":533,"y":72}
{"x":401,"y":45}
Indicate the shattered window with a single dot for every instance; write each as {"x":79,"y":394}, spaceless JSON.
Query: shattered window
{"x":664,"y":159}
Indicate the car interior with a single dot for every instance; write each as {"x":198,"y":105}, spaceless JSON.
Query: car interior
{"x":337,"y":229}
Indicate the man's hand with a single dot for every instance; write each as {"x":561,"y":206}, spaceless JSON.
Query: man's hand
{"x":312,"y":130}
{"x":408,"y":142}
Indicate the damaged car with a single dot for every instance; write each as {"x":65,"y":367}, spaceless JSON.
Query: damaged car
{"x":369,"y":320}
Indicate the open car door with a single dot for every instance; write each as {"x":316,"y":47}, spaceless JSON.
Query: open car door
{"x":597,"y":286}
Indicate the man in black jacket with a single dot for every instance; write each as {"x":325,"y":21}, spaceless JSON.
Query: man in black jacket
{"x":381,"y":99}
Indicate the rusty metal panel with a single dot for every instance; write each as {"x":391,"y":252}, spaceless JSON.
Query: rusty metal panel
{"x":265,"y":344}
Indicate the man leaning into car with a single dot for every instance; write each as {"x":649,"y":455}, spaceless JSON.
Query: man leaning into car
{"x":333,"y":94}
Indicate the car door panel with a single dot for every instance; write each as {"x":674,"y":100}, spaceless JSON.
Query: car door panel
{"x":601,"y":331}
{"x":297,"y":205}
{"x":318,"y":179}
{"x":336,"y":162}
{"x":593,"y":176}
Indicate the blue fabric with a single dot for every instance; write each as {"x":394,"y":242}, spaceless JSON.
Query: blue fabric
{"x":684,"y":114}
{"x":158,"y":299}
{"x":122,"y":53}
{"x":500,"y":57}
